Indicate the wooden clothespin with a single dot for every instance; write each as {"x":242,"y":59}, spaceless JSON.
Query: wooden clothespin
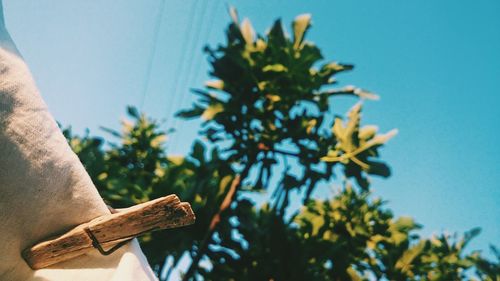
{"x":111,"y":231}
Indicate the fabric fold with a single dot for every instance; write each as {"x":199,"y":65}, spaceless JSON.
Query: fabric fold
{"x":44,"y":188}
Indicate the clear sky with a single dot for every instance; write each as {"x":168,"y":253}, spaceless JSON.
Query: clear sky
{"x":435,"y":65}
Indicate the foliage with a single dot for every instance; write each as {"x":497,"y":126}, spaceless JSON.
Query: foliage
{"x":346,"y":238}
{"x":138,"y":170}
{"x":270,"y":99}
{"x":268,"y":119}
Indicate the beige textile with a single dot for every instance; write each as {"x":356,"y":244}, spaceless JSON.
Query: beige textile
{"x":44,"y":189}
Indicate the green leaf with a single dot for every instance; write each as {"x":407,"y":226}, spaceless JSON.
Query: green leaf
{"x":111,"y":132}
{"x":115,"y":197}
{"x":378,"y":168}
{"x":190,"y":113}
{"x":132,"y":111}
{"x":468,"y":236}
{"x":198,"y":152}
{"x":276,"y":35}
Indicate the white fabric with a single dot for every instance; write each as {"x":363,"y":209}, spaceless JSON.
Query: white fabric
{"x":44,"y":189}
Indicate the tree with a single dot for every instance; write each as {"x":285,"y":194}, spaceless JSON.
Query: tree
{"x":269,"y":128}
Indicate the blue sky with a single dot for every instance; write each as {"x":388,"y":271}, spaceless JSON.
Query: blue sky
{"x":434,"y":64}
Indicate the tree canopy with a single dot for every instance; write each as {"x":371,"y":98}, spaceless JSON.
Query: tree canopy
{"x":269,"y":127}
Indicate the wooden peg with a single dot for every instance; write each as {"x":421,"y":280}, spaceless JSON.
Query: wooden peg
{"x":111,"y":231}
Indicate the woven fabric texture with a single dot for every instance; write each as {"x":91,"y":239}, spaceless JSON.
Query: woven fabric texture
{"x":44,"y":188}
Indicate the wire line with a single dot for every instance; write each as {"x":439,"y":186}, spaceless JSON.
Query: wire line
{"x":180,"y":65}
{"x":198,"y":59}
{"x":159,"y":19}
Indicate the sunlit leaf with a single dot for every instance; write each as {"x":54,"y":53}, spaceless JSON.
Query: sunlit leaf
{"x":335,"y":67}
{"x":300,"y":26}
{"x":353,"y":91}
{"x":273,"y":98}
{"x":353,"y":274}
{"x":274,"y":68}
{"x":405,"y":262}
{"x":215,"y":84}
{"x":367,"y":132}
{"x":212,"y":110}
{"x":247,"y":31}
{"x":158,"y":141}
{"x":176,"y":159}
{"x":381,"y":139}
{"x":365,"y":94}
{"x":224,"y":184}
{"x":234,"y":14}
{"x":260,"y":45}
{"x":267,"y":112}
{"x":310,"y":125}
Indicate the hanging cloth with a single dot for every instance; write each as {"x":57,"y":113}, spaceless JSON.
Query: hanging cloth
{"x":44,"y":188}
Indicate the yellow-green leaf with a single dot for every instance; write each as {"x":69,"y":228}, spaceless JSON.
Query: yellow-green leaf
{"x":234,"y":14}
{"x":348,"y":134}
{"x":365,"y":94}
{"x":247,"y":31}
{"x":381,"y":139}
{"x":310,"y":125}
{"x":354,"y":118}
{"x":353,"y":274}
{"x":367,"y":132}
{"x":273,"y":98}
{"x":404,"y":263}
{"x":215,"y":84}
{"x":224,"y":183}
{"x":102,"y":176}
{"x":158,"y":140}
{"x":436,"y":242}
{"x":338,"y":129}
{"x":198,"y":199}
{"x":176,"y":159}
{"x":212,"y":110}
{"x":260,"y":45}
{"x":275,"y":68}
{"x":337,"y":67}
{"x":300,"y":26}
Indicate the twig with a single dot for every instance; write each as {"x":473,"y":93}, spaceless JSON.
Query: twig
{"x":226,"y":203}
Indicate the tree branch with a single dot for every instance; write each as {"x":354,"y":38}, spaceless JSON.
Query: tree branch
{"x":226,"y":203}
